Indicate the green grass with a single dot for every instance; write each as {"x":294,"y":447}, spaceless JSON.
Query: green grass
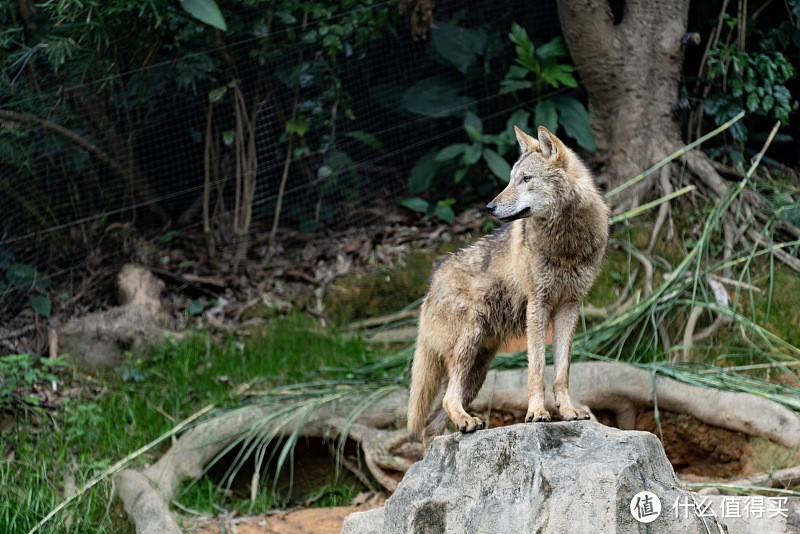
{"x":781,"y":313}
{"x":374,"y":294}
{"x":113,"y":415}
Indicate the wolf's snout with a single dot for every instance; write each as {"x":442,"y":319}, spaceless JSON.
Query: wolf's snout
{"x":491,"y":206}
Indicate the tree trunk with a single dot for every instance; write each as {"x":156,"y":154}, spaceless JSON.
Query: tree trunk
{"x":631,"y":68}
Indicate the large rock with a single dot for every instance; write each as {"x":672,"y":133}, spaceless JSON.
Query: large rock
{"x":546,"y":478}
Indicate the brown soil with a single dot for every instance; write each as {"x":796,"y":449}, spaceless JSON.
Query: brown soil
{"x":306,"y":521}
{"x":699,"y":449}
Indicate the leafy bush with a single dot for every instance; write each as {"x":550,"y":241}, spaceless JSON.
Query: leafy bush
{"x":130,"y":76}
{"x":482,"y":162}
{"x":455,"y":161}
{"x":752,"y":80}
{"x":538,"y":69}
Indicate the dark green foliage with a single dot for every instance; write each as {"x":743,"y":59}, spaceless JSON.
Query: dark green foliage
{"x":755,"y":81}
{"x":486,"y":151}
{"x":435,"y":97}
{"x":23,"y":279}
{"x":537,"y":70}
{"x":483,"y":162}
{"x":756,"y":78}
{"x":126,"y":76}
{"x":459,"y":46}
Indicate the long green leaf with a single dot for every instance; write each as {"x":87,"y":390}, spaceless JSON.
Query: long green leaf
{"x":205,"y":11}
{"x":497,"y":164}
{"x":573,"y":117}
{"x":545,"y":114}
{"x":421,"y":175}
{"x":648,"y":206}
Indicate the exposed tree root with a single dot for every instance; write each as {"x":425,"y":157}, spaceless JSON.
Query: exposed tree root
{"x":787,"y":478}
{"x":379,"y":430}
{"x":103,"y":339}
{"x":148,"y":511}
{"x":625,"y":390}
{"x":783,"y":478}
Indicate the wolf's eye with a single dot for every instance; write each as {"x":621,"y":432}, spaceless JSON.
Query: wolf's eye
{"x":526,"y":179}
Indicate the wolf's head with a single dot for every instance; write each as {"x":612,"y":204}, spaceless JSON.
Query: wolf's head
{"x":542,"y":180}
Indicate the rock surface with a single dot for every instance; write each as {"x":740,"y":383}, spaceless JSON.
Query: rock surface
{"x":753,"y":514}
{"x":546,"y":478}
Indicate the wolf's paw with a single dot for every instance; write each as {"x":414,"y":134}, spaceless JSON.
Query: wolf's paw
{"x":538,"y":416}
{"x":469,"y":424}
{"x":573,"y":414}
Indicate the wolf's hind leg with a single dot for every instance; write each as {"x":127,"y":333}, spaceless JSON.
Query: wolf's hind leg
{"x":453,"y":404}
{"x":466,"y":379}
{"x":477,"y":375}
{"x":437,"y":424}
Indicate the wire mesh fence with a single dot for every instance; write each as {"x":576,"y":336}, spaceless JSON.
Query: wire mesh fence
{"x":312,"y":118}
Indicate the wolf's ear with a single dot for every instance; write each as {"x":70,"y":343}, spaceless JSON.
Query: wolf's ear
{"x":551,"y":146}
{"x":526,"y":142}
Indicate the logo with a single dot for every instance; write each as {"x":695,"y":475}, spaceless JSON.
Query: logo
{"x":645,"y":507}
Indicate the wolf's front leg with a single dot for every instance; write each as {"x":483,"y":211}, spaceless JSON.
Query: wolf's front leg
{"x":564,"y":321}
{"x":537,"y":331}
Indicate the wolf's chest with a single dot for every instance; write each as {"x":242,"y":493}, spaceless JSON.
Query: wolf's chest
{"x":557,"y":283}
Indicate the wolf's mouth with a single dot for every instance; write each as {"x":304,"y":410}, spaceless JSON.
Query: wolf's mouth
{"x":515,"y":216}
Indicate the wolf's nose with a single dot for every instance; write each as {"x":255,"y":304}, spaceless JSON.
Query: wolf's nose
{"x":491,"y":206}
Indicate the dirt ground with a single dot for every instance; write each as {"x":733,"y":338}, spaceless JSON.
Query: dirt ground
{"x":305,"y":521}
{"x":699,"y":449}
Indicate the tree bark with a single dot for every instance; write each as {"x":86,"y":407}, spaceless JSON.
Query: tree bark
{"x":631,"y":69}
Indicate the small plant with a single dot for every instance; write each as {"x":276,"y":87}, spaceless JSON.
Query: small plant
{"x":441,"y":210}
{"x":485,"y":148}
{"x":83,"y":419}
{"x":334,"y":493}
{"x":18,"y":374}
{"x":456,"y":160}
{"x":538,"y":70}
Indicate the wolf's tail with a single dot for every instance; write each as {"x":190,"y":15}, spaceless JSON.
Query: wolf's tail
{"x":426,"y":377}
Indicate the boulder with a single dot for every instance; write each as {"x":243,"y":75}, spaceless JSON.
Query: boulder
{"x":546,"y":478}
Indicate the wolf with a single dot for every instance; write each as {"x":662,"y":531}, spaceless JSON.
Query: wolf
{"x":533,"y":270}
